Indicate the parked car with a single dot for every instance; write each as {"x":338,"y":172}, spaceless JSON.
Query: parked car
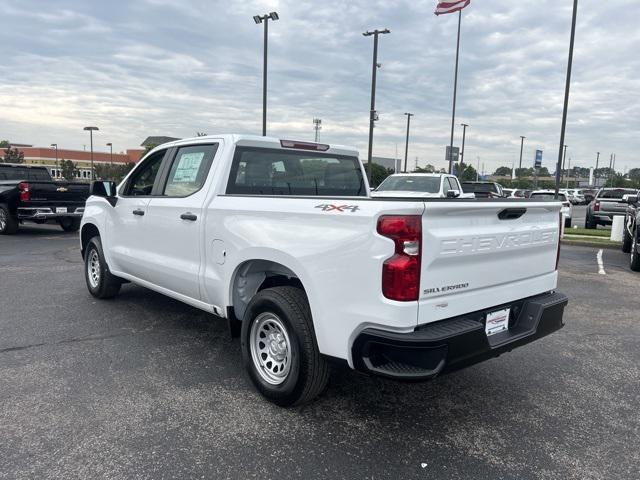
{"x":513,"y":193}
{"x":282,"y":239}
{"x":589,"y":195}
{"x":549,"y":195}
{"x":607,"y":204}
{"x":431,"y":185}
{"x":484,"y":189}
{"x":28,"y":194}
{"x":576,"y":197}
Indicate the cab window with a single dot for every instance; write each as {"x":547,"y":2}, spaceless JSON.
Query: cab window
{"x":189,"y":170}
{"x":141,"y":181}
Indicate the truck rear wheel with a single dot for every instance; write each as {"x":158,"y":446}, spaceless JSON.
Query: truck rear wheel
{"x":69,"y":224}
{"x":100,"y":282}
{"x":8,"y":223}
{"x":590,"y":223}
{"x":626,"y":240}
{"x":279,"y":347}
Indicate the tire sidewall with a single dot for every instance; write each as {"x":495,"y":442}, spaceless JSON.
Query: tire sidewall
{"x":11,"y":223}
{"x":291,"y":388}
{"x":94,"y":245}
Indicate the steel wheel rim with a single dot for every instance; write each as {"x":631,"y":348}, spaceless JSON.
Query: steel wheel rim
{"x":93,"y":269}
{"x":3,"y":220}
{"x":270,"y":348}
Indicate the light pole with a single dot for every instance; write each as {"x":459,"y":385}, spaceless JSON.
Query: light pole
{"x":521,"y":146}
{"x":55,"y":145}
{"x":464,"y":134}
{"x":566,"y":95}
{"x":110,"y":145}
{"x":406,"y":146}
{"x":91,"y":130}
{"x":564,"y":159}
{"x":372,"y":112}
{"x":595,"y":172}
{"x":265,"y":19}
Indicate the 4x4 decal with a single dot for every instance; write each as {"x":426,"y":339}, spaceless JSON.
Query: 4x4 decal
{"x":326,"y":207}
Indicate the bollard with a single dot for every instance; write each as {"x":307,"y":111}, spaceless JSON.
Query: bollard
{"x":617,"y":228}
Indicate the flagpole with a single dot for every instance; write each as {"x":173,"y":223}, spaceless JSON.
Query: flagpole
{"x":455,"y":92}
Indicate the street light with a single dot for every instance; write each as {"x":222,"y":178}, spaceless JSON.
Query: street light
{"x":110,"y":145}
{"x":521,"y":146}
{"x":317,"y":126}
{"x":406,"y":146}
{"x":265,"y":19}
{"x":90,"y":130}
{"x":564,"y":159}
{"x":373,"y":116}
{"x":595,"y":172}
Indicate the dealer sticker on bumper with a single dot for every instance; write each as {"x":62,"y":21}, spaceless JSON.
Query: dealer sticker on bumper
{"x":497,"y":322}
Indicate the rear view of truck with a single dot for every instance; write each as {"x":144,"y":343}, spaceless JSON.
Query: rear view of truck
{"x":483,"y":274}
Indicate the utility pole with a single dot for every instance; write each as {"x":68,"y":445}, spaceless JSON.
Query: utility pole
{"x":568,"y":173}
{"x":265,"y":19}
{"x":478,"y":168}
{"x":406,"y":146}
{"x":610,"y":170}
{"x":564,"y":158}
{"x":455,"y":93}
{"x":373,"y":116}
{"x":521,"y":146}
{"x":595,"y":172}
{"x":566,"y":95}
{"x":464,"y":134}
{"x":317,"y":126}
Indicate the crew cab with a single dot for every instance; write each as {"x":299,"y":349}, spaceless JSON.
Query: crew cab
{"x":29,"y":194}
{"x":432,"y":185}
{"x":606,"y":205}
{"x":282,"y":239}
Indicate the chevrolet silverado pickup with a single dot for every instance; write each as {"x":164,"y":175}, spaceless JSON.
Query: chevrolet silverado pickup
{"x":428,"y":185}
{"x":606,"y":205}
{"x":28,"y":194}
{"x":282,"y":239}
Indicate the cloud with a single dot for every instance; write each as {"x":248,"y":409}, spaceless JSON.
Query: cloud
{"x":164,"y":67}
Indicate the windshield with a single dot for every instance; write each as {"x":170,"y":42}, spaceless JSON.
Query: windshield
{"x":548,"y":196}
{"x":406,"y":183}
{"x":618,"y":193}
{"x":479,"y":187}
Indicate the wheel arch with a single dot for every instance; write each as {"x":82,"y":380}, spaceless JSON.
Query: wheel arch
{"x":89,"y":230}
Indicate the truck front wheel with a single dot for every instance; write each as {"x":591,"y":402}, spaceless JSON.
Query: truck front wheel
{"x":635,"y":255}
{"x":100,"y":282}
{"x":279,"y":347}
{"x":8,"y":223}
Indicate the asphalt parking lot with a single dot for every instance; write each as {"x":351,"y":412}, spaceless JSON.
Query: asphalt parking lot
{"x":143,"y":386}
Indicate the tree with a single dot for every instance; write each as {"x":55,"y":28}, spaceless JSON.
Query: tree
{"x":467,"y":173}
{"x":379,"y":173}
{"x":503,"y":172}
{"x":115,"y":172}
{"x":524,"y":172}
{"x":4,"y":143}
{"x":543,"y":172}
{"x":201,"y":134}
{"x":426,"y":169}
{"x":69,"y":170}
{"x":634,"y":175}
{"x":13,"y":155}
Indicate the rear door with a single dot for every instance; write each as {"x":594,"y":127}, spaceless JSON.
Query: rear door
{"x":175,"y":219}
{"x":477,"y":255}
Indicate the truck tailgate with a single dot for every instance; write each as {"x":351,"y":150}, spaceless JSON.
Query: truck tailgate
{"x":477,"y":255}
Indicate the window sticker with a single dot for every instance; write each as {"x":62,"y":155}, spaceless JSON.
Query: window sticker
{"x":188,"y":167}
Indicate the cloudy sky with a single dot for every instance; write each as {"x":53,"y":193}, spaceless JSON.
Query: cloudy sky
{"x":175,"y":67}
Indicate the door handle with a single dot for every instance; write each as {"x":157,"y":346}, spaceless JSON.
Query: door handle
{"x":138,"y":212}
{"x":189,"y":216}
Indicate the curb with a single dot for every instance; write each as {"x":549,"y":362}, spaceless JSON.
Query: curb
{"x":587,"y":243}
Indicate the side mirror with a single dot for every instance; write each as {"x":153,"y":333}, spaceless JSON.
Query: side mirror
{"x":105,"y":190}
{"x":453,"y":193}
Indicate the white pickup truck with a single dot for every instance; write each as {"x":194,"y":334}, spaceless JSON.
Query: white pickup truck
{"x":282,"y":239}
{"x":420,"y":185}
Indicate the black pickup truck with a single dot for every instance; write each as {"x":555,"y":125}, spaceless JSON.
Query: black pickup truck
{"x":28,"y":194}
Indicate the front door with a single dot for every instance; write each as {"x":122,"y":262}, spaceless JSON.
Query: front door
{"x":175,"y":220}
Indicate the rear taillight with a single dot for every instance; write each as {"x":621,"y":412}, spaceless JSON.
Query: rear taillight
{"x":560,"y":224}
{"x":25,"y":194}
{"x":401,"y":272}
{"x":596,"y":207}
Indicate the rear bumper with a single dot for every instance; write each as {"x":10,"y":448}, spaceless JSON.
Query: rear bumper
{"x":451,"y":344}
{"x":46,"y":213}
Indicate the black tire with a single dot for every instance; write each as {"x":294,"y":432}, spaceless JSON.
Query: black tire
{"x":104,"y":285}
{"x":567,"y":223}
{"x":590,"y":223}
{"x":8,"y":223}
{"x":308,"y":371}
{"x":626,"y":240}
{"x":69,"y":224}
{"x":635,"y":254}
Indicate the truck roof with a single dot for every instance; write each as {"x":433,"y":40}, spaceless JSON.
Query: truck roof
{"x":262,"y":142}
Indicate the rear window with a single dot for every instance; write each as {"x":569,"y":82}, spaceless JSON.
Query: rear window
{"x":618,"y":193}
{"x":24,"y":173}
{"x":260,"y":171}
{"x":479,"y":187}
{"x":549,"y":196}
{"x":406,"y":183}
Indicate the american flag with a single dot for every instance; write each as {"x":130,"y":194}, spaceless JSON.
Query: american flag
{"x":450,"y":7}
